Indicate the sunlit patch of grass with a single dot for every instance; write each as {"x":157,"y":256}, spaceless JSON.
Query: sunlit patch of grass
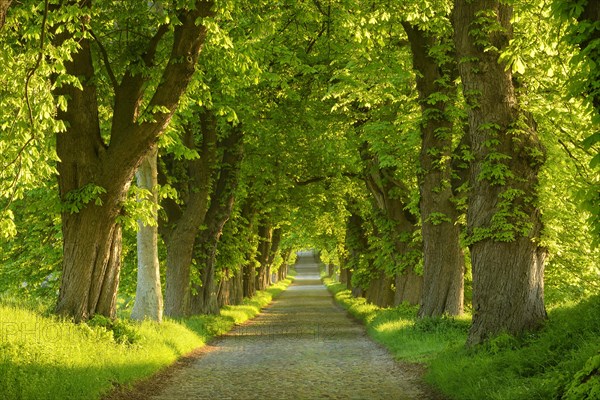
{"x":542,"y":365}
{"x":559,"y":362}
{"x":43,"y":357}
{"x":399,"y":330}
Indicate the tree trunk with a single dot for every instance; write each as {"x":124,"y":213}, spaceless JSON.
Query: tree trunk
{"x":148,"y":294}
{"x":275,"y":240}
{"x":91,"y":235}
{"x":249,"y":278}
{"x":183,"y":221}
{"x":503,"y":218}
{"x":283,"y":269}
{"x":390,"y":198}
{"x":221,"y":205}
{"x":380,"y":290}
{"x":443,"y":259}
{"x":409,"y":288}
{"x":4,"y":6}
{"x":94,"y":177}
{"x":237,"y":288}
{"x":224,"y":290}
{"x":91,"y":288}
{"x":265,"y":233}
{"x":346,"y":277}
{"x":591,"y":15}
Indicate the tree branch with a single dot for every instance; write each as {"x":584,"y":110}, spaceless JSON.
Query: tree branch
{"x":148,"y":55}
{"x":322,"y":178}
{"x":314,"y":40}
{"x":104,"y":53}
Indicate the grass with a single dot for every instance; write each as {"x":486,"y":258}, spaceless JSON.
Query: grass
{"x":562,"y":361}
{"x":43,"y":357}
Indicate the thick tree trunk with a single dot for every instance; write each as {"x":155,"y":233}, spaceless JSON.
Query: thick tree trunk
{"x":265,"y":234}
{"x":92,"y":287}
{"x":346,"y":277}
{"x":183,"y":222}
{"x":249,"y":268}
{"x":206,"y":301}
{"x":409,"y":288}
{"x":443,"y":259}
{"x":385,"y":189}
{"x":283,"y":269}
{"x":148,"y":294}
{"x":380,"y":290}
{"x":282,"y":272}
{"x":357,"y":246}
{"x":224,"y":291}
{"x":503,"y":218}
{"x":91,"y":235}
{"x":93,"y":176}
{"x":237,"y":288}
{"x":274,"y":248}
{"x":591,"y":15}
{"x":230,"y":289}
{"x":249,"y":278}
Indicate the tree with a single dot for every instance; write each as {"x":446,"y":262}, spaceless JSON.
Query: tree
{"x":221,"y":205}
{"x":193,"y":179}
{"x":98,"y":161}
{"x":148,"y":294}
{"x":27,"y":127}
{"x":398,"y":226}
{"x":503,"y":218}
{"x":584,"y":31}
{"x":443,"y":258}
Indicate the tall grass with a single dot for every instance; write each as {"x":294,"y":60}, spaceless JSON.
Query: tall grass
{"x":562,"y":361}
{"x":43,"y":357}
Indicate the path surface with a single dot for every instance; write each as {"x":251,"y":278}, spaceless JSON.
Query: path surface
{"x":301,"y":347}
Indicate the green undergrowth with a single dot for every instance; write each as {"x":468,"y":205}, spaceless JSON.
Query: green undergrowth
{"x":561,"y":361}
{"x":43,"y":357}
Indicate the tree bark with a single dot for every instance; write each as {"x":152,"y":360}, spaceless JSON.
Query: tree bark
{"x":409,"y":288}
{"x":4,"y":6}
{"x":283,"y":269}
{"x":265,"y":234}
{"x":249,"y":268}
{"x":275,"y":240}
{"x":237,"y":288}
{"x":249,"y":278}
{"x":357,"y":246}
{"x":91,"y":232}
{"x":591,"y":15}
{"x":148,"y":294}
{"x":382,"y":185}
{"x":184,"y":220}
{"x":221,"y":205}
{"x":380,"y":290}
{"x":91,"y":235}
{"x":443,"y":258}
{"x":503,"y":218}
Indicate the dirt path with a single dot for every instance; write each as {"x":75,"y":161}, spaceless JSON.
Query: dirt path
{"x":300,"y":347}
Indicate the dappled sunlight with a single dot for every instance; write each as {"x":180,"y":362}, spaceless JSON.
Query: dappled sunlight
{"x":392,"y":327}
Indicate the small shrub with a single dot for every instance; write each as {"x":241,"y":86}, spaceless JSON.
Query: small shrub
{"x":501,"y":343}
{"x":441,"y":324}
{"x":586,"y":382}
{"x":121,"y":331}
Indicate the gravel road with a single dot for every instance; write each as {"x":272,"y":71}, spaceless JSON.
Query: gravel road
{"x":302,"y":346}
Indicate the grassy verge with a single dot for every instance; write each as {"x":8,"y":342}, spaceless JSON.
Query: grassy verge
{"x":562,"y":361}
{"x":42,"y":357}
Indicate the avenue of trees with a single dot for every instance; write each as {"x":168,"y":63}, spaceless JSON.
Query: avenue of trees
{"x":171,"y":156}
